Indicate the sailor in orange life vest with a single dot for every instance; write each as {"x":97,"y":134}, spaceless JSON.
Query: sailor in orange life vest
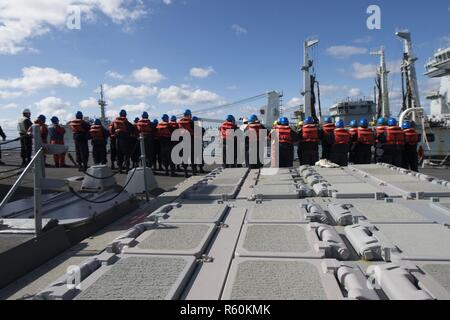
{"x":341,"y":145}
{"x":353,"y":138}
{"x":363,"y":143}
{"x":252,"y":138}
{"x":187,"y":124}
{"x":379,"y":146}
{"x":145,"y":127}
{"x":227,"y":131}
{"x":174,"y":124}
{"x":136,"y":154}
{"x":309,"y":138}
{"x":80,"y":129}
{"x":122,"y":129}
{"x":43,"y":128}
{"x":410,"y":157}
{"x":113,"y":148}
{"x":286,"y":140}
{"x":393,"y":141}
{"x":56,"y":133}
{"x":164,"y":132}
{"x":99,"y":141}
{"x":328,"y":130}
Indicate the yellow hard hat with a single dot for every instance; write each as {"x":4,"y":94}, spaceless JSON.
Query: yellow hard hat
{"x":275,"y":123}
{"x":300,"y":124}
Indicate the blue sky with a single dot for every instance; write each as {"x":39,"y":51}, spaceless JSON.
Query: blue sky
{"x":165,"y":55}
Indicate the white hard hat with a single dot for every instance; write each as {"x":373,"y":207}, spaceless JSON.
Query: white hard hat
{"x":26,"y":111}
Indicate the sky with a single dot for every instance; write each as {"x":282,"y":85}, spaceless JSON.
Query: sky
{"x":164,"y":56}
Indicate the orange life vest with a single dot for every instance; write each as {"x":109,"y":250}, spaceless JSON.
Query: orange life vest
{"x":227,"y":129}
{"x":186,"y":124}
{"x":328,"y":129}
{"x":163,"y":130}
{"x":365,"y":136}
{"x":173,"y":125}
{"x":411,"y":137}
{"x":97,"y":133}
{"x":310,"y":133}
{"x":120,"y":125}
{"x":144,"y":126}
{"x":341,"y":136}
{"x":284,"y":134}
{"x":77,"y":126}
{"x":395,"y":136}
{"x":253,"y":131}
{"x":43,"y":129}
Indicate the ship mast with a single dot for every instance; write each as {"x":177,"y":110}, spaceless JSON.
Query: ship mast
{"x":102,"y":103}
{"x":307,"y":64}
{"x":383,"y":74}
{"x":410,"y":71}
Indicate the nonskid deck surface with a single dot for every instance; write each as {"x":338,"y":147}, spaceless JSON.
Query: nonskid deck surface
{"x":265,"y":241}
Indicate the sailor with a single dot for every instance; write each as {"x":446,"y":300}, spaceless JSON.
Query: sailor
{"x":341,"y":145}
{"x":187,"y":124}
{"x":309,"y":137}
{"x":299,"y":129}
{"x":328,"y":130}
{"x":113,"y":148}
{"x":410,"y":156}
{"x":99,"y":141}
{"x":380,"y":131}
{"x":56,"y":133}
{"x":164,"y":133}
{"x":145,"y":128}
{"x":199,"y":133}
{"x":174,"y":124}
{"x":156,"y":156}
{"x":393,"y":142}
{"x":43,"y":128}
{"x":123,"y":130}
{"x":227,"y":131}
{"x":136,"y":153}
{"x":244,"y":124}
{"x":3,"y":135}
{"x":26,"y":142}
{"x":80,"y":129}
{"x":286,"y":140}
{"x":363,"y":143}
{"x":353,"y":131}
{"x":252,"y":144}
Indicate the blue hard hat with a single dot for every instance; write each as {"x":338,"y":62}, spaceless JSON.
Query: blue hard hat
{"x":79,"y":115}
{"x":406,"y":125}
{"x":253,"y":118}
{"x":173,"y":119}
{"x":354,"y":124}
{"x":136,"y":120}
{"x":381,"y":122}
{"x":123,"y":113}
{"x":392,"y":122}
{"x":97,"y":122}
{"x":363,"y":123}
{"x":42,"y":118}
{"x":165,"y":118}
{"x":309,"y":120}
{"x":155,"y":121}
{"x":145,"y":115}
{"x":188,"y":113}
{"x":283,"y":121}
{"x":327,"y":120}
{"x":195,"y":119}
{"x":340,"y":124}
{"x":230,"y":118}
{"x":54,"y":120}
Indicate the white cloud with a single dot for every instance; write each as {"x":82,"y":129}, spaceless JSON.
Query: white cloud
{"x":22,"y":20}
{"x":186,"y":96}
{"x":343,"y":52}
{"x":294,"y":102}
{"x":125,"y":91}
{"x":239,"y":30}
{"x":366,"y":39}
{"x":147,"y":75}
{"x":140,"y":107}
{"x":53,"y":106}
{"x":365,"y":71}
{"x":89,"y":103}
{"x":354,"y":92}
{"x":9,"y":106}
{"x":167,"y":2}
{"x":36,"y":78}
{"x":114,"y":75}
{"x":10,"y":94}
{"x":202,"y":72}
